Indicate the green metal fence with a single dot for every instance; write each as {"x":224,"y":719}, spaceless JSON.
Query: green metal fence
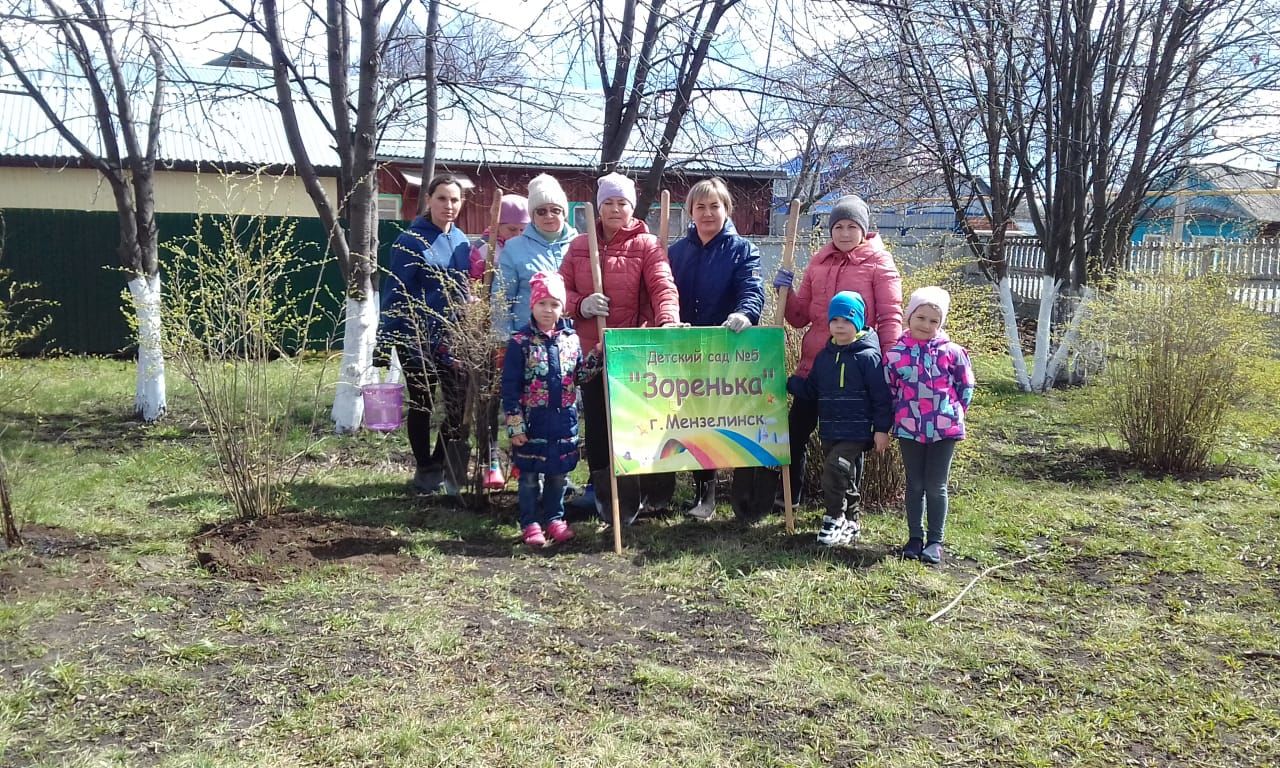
{"x":72,"y":256}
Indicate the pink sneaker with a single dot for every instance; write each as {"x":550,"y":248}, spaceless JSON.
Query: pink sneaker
{"x":560,"y":531}
{"x":533,"y":536}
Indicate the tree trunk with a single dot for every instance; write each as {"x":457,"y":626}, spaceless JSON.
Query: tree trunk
{"x":433,"y":105}
{"x":360,"y":328}
{"x":11,"y":536}
{"x":150,"y":400}
{"x":1049,"y":286}
{"x":1004,"y":294}
{"x":1068,"y":342}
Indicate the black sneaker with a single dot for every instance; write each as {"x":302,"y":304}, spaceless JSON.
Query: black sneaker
{"x":428,"y":480}
{"x":911,"y":550}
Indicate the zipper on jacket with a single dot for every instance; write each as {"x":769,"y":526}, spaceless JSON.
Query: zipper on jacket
{"x":841,"y":370}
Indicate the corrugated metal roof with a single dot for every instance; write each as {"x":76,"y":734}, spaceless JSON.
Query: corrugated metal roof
{"x":211,"y":115}
{"x":1223,"y":191}
{"x":223,"y":115}
{"x":1255,"y":193}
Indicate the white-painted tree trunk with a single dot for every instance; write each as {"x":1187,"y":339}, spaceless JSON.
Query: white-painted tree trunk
{"x":1044,"y":324}
{"x":150,"y":400}
{"x":1068,"y":342}
{"x":360,"y":329}
{"x":1004,"y":293}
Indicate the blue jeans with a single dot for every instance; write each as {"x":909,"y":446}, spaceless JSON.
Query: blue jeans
{"x":928,"y":466}
{"x":541,"y":498}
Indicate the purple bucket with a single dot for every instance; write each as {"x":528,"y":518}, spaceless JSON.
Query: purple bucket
{"x":383,"y":406}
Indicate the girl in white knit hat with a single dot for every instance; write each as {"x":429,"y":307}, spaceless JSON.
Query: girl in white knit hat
{"x":932,"y":385}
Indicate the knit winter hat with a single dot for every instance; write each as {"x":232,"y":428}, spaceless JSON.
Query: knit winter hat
{"x":850,"y":207}
{"x":850,"y":306}
{"x":545,"y":190}
{"x":615,"y":185}
{"x":515,"y":210}
{"x":546,"y":285}
{"x":930,"y":295}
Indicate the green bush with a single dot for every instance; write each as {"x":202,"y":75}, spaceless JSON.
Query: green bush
{"x":1177,"y":352}
{"x":233,"y":306}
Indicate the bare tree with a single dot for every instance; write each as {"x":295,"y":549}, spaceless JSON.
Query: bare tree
{"x":349,"y":106}
{"x":56,"y":52}
{"x":841,"y":139}
{"x":473,"y":51}
{"x":431,"y":40}
{"x":1076,"y":110}
{"x":963,"y":70}
{"x":650,"y":60}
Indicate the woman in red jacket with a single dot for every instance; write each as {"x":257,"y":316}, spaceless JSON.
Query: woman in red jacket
{"x":638,"y":291}
{"x":855,"y":260}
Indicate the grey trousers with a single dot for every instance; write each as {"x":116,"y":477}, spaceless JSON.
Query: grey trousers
{"x":842,"y":477}
{"x":928,"y":466}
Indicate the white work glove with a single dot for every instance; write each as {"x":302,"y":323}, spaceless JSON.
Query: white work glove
{"x":737,"y":322}
{"x":595,"y":305}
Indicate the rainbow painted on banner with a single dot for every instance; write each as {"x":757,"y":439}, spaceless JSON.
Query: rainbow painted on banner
{"x":719,"y":448}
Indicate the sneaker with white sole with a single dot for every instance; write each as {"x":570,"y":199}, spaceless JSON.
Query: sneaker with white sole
{"x":837,"y":531}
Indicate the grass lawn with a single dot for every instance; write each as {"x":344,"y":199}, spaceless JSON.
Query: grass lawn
{"x":1141,"y":631}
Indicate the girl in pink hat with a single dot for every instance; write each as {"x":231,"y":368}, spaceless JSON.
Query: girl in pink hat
{"x":541,"y":406}
{"x":638,"y":291}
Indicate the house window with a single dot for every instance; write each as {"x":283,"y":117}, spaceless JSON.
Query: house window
{"x":389,"y":207}
{"x":676,"y":224}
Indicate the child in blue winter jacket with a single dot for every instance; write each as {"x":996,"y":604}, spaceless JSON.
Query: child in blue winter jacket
{"x":540,"y":403}
{"x":854,"y":412}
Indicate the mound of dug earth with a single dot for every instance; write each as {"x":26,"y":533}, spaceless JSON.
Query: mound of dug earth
{"x":270,"y":548}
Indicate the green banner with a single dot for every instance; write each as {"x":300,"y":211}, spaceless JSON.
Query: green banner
{"x":696,"y":398}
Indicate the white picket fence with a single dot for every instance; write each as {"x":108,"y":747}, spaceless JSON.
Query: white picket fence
{"x":1255,"y":264}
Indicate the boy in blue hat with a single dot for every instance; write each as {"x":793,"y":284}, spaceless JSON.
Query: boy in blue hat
{"x":855,"y":412}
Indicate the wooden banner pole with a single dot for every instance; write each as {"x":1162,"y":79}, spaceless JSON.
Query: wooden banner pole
{"x":779,"y":317}
{"x":491,"y":258}
{"x":597,"y":283}
{"x":664,"y":219}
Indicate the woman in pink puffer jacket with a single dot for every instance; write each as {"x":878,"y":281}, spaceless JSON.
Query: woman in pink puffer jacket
{"x":638,"y":291}
{"x":854,"y":260}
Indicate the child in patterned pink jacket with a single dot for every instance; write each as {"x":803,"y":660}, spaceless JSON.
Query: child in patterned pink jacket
{"x":932,"y":385}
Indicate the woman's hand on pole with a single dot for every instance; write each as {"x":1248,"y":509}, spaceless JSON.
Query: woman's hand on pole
{"x":594,"y":305}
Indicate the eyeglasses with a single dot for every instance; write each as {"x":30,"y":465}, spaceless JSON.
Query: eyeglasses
{"x":553,"y":211}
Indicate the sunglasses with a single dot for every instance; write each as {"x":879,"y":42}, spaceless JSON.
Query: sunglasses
{"x":554,"y":211}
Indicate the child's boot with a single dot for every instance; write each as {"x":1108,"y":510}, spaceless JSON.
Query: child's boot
{"x":533,"y":536}
{"x":559,"y":531}
{"x":932,"y":553}
{"x":911,"y":550}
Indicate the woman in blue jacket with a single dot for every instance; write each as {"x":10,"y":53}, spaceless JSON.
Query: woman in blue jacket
{"x":717,"y":274}
{"x":428,"y":268}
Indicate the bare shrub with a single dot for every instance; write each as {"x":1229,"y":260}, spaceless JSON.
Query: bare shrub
{"x":24,"y":317}
{"x":1177,"y":351}
{"x":237,"y":315}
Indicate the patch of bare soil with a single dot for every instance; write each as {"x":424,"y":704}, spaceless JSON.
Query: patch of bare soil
{"x":1098,"y":466}
{"x":45,"y":545}
{"x":270,"y":548}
